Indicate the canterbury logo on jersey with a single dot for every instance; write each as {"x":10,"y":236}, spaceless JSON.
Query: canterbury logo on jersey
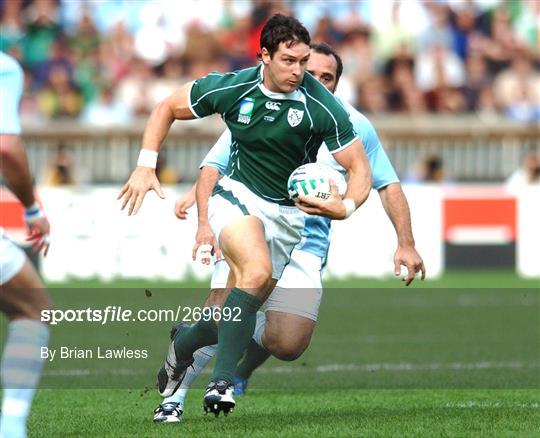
{"x":275,"y":106}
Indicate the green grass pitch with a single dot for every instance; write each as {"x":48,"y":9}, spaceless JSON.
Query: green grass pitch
{"x":442,"y":358}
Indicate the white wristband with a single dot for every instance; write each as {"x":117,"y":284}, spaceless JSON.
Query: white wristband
{"x":147,"y":158}
{"x":32,"y":213}
{"x":350,"y":207}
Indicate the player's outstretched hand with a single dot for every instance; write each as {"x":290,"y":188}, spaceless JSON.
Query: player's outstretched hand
{"x":183,"y":203}
{"x":409,"y":257}
{"x":38,"y":234}
{"x":206,"y":243}
{"x":142,"y":180}
{"x":332,"y":208}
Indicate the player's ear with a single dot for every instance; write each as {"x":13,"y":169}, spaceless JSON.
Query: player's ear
{"x":265,"y":56}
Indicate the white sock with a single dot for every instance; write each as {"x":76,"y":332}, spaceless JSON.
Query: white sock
{"x":202,"y":356}
{"x":20,"y":370}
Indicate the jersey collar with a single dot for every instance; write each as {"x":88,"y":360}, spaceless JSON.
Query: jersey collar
{"x":295,"y":95}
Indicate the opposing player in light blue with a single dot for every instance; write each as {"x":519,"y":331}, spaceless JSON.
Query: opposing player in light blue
{"x":22,"y":294}
{"x":295,"y":301}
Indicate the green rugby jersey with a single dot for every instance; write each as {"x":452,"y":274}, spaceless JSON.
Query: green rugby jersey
{"x":272,"y":133}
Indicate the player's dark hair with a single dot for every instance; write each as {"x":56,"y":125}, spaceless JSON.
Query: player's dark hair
{"x":282,"y":29}
{"x":327,"y":49}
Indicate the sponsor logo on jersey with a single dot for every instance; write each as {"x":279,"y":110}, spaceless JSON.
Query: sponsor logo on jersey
{"x":295,"y":116}
{"x":246,"y":110}
{"x":274,"y":106}
{"x":269,"y":118}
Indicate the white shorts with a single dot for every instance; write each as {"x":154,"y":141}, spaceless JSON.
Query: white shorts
{"x":299,"y":291}
{"x":12,"y":259}
{"x":283,"y":225}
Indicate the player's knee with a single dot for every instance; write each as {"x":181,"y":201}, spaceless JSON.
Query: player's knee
{"x":255,"y":277}
{"x":286,"y":350}
{"x":289,"y":353}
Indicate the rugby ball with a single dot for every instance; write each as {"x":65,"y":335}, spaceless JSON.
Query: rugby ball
{"x":312,"y":179}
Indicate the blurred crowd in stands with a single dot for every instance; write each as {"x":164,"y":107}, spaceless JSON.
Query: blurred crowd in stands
{"x":107,"y":62}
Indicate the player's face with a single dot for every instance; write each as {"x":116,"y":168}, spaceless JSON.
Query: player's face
{"x":284,"y":71}
{"x":324,"y":68}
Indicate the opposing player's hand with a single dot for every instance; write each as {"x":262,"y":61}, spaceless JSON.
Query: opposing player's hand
{"x":38,"y":234}
{"x":207,"y":242}
{"x":142,"y":180}
{"x":183,"y":203}
{"x":408,"y":257}
{"x":332,"y":208}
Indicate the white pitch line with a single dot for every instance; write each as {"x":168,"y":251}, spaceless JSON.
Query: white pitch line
{"x":471,"y":404}
{"x":330,"y":368}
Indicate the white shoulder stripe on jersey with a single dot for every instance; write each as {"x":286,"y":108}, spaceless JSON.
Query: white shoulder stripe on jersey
{"x":221,"y":89}
{"x":217,"y":73}
{"x":189,"y":101}
{"x":329,"y":112}
{"x":344,"y":146}
{"x":217,"y":89}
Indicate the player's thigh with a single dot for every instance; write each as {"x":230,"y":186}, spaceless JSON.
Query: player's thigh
{"x":299,"y":291}
{"x":241,"y":236}
{"x":24,"y":295}
{"x":243,"y":243}
{"x":287,"y":335}
{"x":245,"y":250}
{"x":293,"y":306}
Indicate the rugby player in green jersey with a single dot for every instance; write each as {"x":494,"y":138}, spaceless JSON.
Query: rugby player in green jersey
{"x":278,"y":118}
{"x":287,"y":319}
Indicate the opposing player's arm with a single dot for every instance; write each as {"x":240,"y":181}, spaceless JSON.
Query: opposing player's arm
{"x":16,"y":172}
{"x":217,"y":157}
{"x":397,"y":208}
{"x":208,"y":177}
{"x":184,"y":203}
{"x":386,"y":181}
{"x":212,"y":168}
